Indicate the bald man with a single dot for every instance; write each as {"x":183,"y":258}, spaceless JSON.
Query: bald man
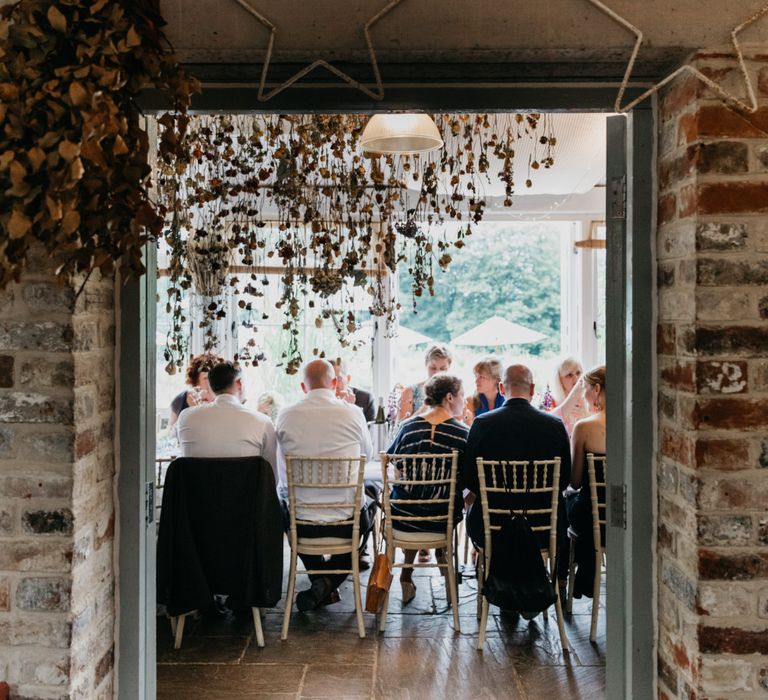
{"x":515,"y":431}
{"x":322,"y":425}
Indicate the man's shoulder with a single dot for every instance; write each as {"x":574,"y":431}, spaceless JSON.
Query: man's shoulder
{"x":255,"y":416}
{"x":209,"y":410}
{"x":326,"y":407}
{"x":193,"y":413}
{"x":514,"y":413}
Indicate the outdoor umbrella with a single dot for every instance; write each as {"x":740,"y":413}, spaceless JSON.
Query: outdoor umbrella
{"x":408,"y":337}
{"x":498,"y":331}
{"x":405,"y":336}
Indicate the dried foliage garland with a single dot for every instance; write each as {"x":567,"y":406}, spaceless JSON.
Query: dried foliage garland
{"x":74,"y":167}
{"x":295,"y":194}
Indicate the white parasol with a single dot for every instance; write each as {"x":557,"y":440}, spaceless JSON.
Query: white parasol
{"x":498,"y":331}
{"x":405,"y":336}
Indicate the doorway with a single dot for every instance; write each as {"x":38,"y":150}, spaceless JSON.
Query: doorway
{"x":629,"y":286}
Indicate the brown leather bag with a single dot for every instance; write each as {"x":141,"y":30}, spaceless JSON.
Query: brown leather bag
{"x":378,"y":584}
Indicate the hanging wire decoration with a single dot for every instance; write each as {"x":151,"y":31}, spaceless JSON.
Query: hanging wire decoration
{"x":751,"y":106}
{"x":377,"y":94}
{"x":293,"y":198}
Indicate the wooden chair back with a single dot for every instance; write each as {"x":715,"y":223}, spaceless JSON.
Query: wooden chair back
{"x":427,"y":480}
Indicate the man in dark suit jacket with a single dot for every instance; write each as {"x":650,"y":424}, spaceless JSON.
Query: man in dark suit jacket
{"x":515,"y":431}
{"x":361,"y":399}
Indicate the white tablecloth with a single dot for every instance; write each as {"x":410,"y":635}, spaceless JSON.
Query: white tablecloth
{"x":373,"y":471}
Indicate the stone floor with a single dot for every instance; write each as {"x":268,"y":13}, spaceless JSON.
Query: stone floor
{"x":418,"y":656}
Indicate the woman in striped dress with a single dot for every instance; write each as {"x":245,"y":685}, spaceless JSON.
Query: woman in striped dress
{"x":437,"y":431}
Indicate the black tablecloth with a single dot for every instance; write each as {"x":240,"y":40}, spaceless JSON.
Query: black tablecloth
{"x":220,"y":533}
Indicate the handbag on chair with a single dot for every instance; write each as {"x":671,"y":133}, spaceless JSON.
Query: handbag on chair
{"x":518,"y":579}
{"x":378,"y":584}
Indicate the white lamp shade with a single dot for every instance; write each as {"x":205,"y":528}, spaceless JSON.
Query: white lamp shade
{"x":400,"y":133}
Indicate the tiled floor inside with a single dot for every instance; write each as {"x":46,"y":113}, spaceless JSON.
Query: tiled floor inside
{"x":418,"y":656}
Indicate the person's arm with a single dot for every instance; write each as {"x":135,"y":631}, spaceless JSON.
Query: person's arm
{"x":406,"y":404}
{"x":577,"y":454}
{"x":269,"y":448}
{"x":574,"y":396}
{"x":282,"y":476}
{"x":469,"y":460}
{"x":469,"y":411}
{"x":366,"y":446}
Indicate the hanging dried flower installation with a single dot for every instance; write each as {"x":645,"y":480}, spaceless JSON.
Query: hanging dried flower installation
{"x":74,"y":166}
{"x":295,"y":196}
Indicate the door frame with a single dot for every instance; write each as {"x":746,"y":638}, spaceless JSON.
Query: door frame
{"x":630,"y":352}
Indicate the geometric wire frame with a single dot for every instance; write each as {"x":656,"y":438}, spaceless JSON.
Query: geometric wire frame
{"x":750,"y":107}
{"x":378,"y":94}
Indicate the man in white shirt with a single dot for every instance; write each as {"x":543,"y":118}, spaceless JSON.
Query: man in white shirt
{"x":322,"y":425}
{"x":226,"y":428}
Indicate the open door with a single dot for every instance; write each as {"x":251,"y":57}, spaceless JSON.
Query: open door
{"x":136,"y":535}
{"x":136,"y":672}
{"x":630,"y":353}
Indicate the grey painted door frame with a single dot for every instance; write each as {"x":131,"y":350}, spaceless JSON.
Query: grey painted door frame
{"x":631,"y":375}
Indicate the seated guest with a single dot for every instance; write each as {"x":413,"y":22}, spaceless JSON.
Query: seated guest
{"x":199,"y":391}
{"x":438,"y":431}
{"x":567,"y":393}
{"x":487,"y":396}
{"x":437,"y":358}
{"x":226,"y":428}
{"x":516,"y":431}
{"x":588,"y":436}
{"x":347,"y":392}
{"x":321,"y":425}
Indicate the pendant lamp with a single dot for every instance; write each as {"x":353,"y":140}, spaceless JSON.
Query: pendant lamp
{"x":400,"y":134}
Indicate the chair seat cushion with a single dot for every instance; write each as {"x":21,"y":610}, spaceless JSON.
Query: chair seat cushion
{"x":426,"y":537}
{"x":323,"y":541}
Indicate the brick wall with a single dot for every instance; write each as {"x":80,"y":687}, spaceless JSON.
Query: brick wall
{"x":56,"y":479}
{"x":713,"y":390}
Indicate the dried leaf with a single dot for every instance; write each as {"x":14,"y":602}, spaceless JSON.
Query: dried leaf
{"x":58,"y":21}
{"x":36,"y":157}
{"x":18,"y":224}
{"x":18,"y":174}
{"x":95,"y":8}
{"x":90,"y":150}
{"x":119,"y":147}
{"x":76,"y":169}
{"x":68,"y":150}
{"x":132,"y":38}
{"x":77,"y":94}
{"x":70,"y":222}
{"x":54,"y":207}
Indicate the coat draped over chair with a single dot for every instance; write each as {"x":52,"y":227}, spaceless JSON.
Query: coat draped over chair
{"x":221,"y":532}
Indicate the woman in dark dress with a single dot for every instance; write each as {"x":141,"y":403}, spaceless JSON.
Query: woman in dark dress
{"x":588,"y":436}
{"x":437,"y":431}
{"x":199,"y":391}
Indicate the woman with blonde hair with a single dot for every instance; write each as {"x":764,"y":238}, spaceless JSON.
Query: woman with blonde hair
{"x":487,"y":396}
{"x":588,"y":436}
{"x":437,"y":359}
{"x":567,"y":393}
